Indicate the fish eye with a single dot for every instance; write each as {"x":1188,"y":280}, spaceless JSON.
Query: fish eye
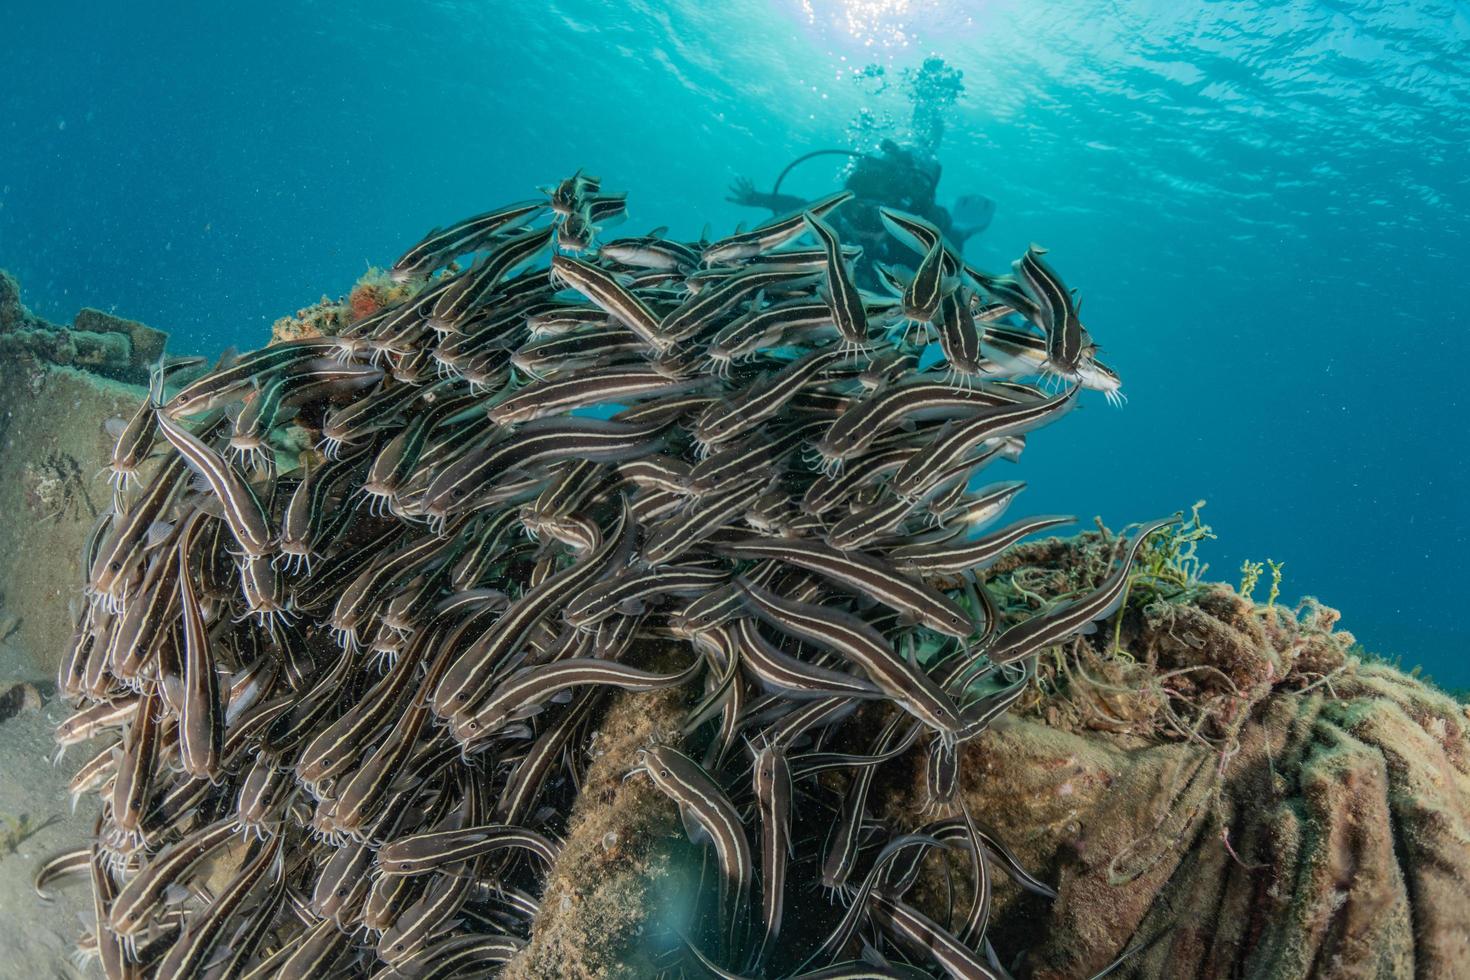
{"x":474,"y":726}
{"x":114,"y":566}
{"x":461,"y":696}
{"x":664,"y":773}
{"x":341,"y":892}
{"x":457,"y":492}
{"x":327,"y":761}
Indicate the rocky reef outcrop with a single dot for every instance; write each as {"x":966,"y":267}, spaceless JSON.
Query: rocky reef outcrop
{"x":104,"y":344}
{"x":1234,"y":785}
{"x":58,"y":388}
{"x":326,"y":317}
{"x":1233,"y":790}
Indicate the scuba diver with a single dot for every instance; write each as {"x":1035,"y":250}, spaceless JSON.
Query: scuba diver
{"x":895,"y":176}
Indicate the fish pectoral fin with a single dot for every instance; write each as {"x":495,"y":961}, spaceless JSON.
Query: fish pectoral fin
{"x":693,"y":829}
{"x":216,"y":956}
{"x":158,"y":532}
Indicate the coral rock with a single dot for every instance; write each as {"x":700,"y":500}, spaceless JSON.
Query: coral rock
{"x":621,"y":858}
{"x":99,"y":342}
{"x":147,"y":343}
{"x":17,"y":698}
{"x":13,"y":313}
{"x":322,"y":319}
{"x":1242,"y":794}
{"x":373,"y":292}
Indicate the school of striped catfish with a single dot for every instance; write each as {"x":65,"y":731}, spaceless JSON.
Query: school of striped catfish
{"x":362,"y":598}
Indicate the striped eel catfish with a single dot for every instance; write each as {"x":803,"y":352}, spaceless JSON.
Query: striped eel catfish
{"x":861,"y":426}
{"x":246,"y":516}
{"x":612,"y":297}
{"x":709,"y":816}
{"x":443,"y":245}
{"x":1019,"y":352}
{"x":1075,"y":616}
{"x":869,"y":575}
{"x":707,"y":305}
{"x":844,"y":300}
{"x":924,"y":469}
{"x":231,"y":380}
{"x":350,"y":694}
{"x":135,"y":437}
{"x":772,"y":234}
{"x":771,"y":783}
{"x":1066,"y":339}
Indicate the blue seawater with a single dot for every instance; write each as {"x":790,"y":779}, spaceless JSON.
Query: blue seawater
{"x":1264,"y":205}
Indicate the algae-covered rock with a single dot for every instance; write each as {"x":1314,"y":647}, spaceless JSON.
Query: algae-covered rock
{"x":13,"y":313}
{"x":146,"y":343}
{"x":102,"y":343}
{"x":1222,"y":786}
{"x":375,"y":291}
{"x":53,"y":450}
{"x":1233,"y":790}
{"x":323,"y":318}
{"x":58,"y":388}
{"x":621,"y":861}
{"x":1232,"y":787}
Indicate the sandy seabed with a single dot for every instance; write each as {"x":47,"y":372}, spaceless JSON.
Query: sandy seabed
{"x":38,"y":936}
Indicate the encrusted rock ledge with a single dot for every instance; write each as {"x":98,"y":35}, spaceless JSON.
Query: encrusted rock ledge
{"x":624,"y":859}
{"x":1235,"y":785}
{"x":99,"y":342}
{"x":1235,"y":788}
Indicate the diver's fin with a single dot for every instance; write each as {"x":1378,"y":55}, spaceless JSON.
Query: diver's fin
{"x":972,"y":212}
